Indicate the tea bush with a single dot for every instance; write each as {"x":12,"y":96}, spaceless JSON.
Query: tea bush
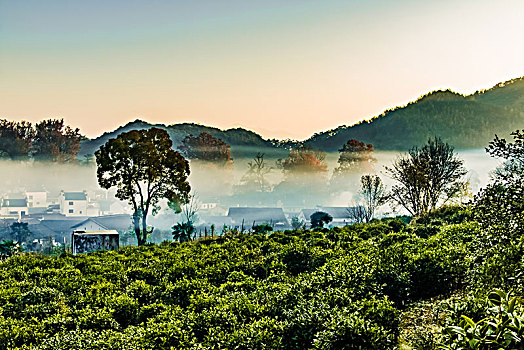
{"x":342,"y":288}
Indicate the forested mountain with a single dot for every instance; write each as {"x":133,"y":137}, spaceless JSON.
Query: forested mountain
{"x":463,"y":121}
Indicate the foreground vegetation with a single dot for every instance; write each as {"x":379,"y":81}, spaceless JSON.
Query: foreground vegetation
{"x":353,"y":287}
{"x":450,"y":279}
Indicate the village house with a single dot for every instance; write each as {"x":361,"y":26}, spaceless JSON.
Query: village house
{"x":36,"y":199}
{"x":73,"y":203}
{"x":14,"y":208}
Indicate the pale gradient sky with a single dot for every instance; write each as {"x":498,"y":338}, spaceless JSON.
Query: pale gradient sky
{"x":281,"y":68}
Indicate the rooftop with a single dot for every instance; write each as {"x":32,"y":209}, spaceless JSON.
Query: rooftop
{"x":75,"y":196}
{"x":14,"y":203}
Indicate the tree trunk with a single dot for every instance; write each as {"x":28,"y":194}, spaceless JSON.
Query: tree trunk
{"x":138,"y":233}
{"x":144,"y":227}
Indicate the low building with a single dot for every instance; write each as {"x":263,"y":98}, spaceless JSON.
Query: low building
{"x":120,"y":223}
{"x":14,"y":207}
{"x":251,"y":216}
{"x":90,"y":241}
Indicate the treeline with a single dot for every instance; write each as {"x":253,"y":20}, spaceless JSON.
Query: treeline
{"x":47,"y":140}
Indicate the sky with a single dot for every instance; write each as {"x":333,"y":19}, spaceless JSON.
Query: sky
{"x":285,"y":69}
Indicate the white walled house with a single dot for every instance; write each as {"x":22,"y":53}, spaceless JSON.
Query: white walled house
{"x":36,"y":199}
{"x":73,"y":203}
{"x":14,"y":207}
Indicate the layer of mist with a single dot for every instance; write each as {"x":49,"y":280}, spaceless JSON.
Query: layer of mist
{"x":222,"y":185}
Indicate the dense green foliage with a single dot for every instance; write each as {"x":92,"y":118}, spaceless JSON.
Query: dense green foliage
{"x":344,"y":288}
{"x":332,"y":289}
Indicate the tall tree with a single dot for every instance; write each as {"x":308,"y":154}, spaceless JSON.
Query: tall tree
{"x":373,"y":194}
{"x":16,"y":139}
{"x":206,"y":147}
{"x":499,"y":208}
{"x":355,"y":156}
{"x":426,"y":177}
{"x":513,"y":153}
{"x":56,"y":141}
{"x":144,"y":168}
{"x":255,"y":176}
{"x":20,"y":231}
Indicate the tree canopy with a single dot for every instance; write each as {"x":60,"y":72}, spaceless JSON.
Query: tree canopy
{"x":355,"y":156}
{"x":56,"y":141}
{"x":303,"y":160}
{"x":47,"y":140}
{"x":320,"y":218}
{"x":512,"y":152}
{"x":16,"y":139}
{"x":205,"y":147}
{"x":144,"y":169}
{"x":426,"y":177}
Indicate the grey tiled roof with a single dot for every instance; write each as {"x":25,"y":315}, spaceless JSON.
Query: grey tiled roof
{"x":14,"y":203}
{"x":75,"y":196}
{"x":257,"y":215}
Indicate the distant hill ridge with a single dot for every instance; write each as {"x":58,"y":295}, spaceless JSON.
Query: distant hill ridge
{"x":464,"y":121}
{"x":236,"y":137}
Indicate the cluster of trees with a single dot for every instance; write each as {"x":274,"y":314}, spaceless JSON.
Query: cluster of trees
{"x":303,"y":161}
{"x":207,"y":148}
{"x":355,"y":156}
{"x":47,"y":140}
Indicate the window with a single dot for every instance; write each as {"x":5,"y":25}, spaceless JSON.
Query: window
{"x":30,"y":197}
{"x":70,"y":211}
{"x":70,"y":203}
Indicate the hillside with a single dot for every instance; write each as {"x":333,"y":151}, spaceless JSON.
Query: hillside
{"x":463,"y":121}
{"x":242,"y":141}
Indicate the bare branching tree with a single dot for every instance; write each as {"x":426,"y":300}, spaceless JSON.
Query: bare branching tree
{"x":426,"y":177}
{"x":357,"y":213}
{"x":256,"y":173}
{"x":373,"y":194}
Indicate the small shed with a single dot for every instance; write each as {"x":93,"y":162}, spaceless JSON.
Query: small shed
{"x":90,"y":241}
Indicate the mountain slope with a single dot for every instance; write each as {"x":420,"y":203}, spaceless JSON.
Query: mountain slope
{"x":463,"y":121}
